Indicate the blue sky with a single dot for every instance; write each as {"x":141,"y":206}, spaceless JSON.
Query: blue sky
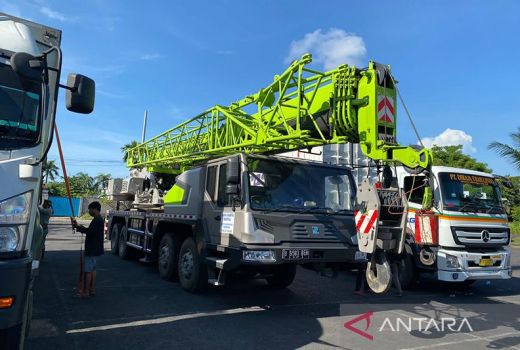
{"x":456,"y":61}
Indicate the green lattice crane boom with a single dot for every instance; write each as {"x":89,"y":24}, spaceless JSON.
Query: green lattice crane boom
{"x":301,"y":108}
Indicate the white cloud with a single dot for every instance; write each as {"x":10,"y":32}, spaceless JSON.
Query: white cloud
{"x":331,"y":48}
{"x":47,"y":11}
{"x":150,"y":56}
{"x":451,"y":137}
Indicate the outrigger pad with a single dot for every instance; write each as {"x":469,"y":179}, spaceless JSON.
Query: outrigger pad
{"x":378,"y":274}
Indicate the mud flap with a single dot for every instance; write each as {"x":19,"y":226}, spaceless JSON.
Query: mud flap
{"x":378,"y":273}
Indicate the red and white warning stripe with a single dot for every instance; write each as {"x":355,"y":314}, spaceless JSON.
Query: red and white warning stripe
{"x":365,"y":222}
{"x":385,"y":109}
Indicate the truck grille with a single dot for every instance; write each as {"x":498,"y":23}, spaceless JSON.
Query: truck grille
{"x":480,"y":236}
{"x":305,"y":231}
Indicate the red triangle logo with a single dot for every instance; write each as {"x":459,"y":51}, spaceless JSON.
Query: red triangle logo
{"x":350,"y":325}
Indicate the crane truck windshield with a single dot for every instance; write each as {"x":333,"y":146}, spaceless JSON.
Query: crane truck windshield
{"x":277,"y":185}
{"x":20,"y":110}
{"x":470,"y":193}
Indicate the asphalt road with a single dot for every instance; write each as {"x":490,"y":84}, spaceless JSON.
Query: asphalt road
{"x":135,"y":309}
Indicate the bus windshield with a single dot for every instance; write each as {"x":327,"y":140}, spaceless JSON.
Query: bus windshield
{"x":19,"y":110}
{"x":470,"y":193}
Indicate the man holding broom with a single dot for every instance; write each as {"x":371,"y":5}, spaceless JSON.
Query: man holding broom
{"x":93,"y":248}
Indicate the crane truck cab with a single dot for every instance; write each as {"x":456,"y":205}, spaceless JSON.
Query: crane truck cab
{"x":466,"y":235}
{"x":251,"y":214}
{"x":30,"y":67}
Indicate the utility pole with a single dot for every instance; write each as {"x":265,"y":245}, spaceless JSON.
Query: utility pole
{"x":144,"y":126}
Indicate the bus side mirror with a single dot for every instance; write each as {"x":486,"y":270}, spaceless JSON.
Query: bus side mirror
{"x":233,"y":171}
{"x":81,"y":92}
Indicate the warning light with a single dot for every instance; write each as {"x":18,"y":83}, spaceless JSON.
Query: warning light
{"x":6,"y":302}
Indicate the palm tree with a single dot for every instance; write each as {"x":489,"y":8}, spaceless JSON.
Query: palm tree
{"x":126,"y":147}
{"x":50,"y":170}
{"x":509,"y":151}
{"x":101,"y":182}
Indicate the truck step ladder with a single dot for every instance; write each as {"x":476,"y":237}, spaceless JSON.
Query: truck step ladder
{"x":216,"y":273}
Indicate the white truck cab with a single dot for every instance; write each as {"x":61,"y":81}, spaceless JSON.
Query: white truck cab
{"x":30,"y":68}
{"x":468,"y":237}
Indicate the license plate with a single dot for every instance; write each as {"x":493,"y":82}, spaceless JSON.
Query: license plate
{"x":295,"y":254}
{"x":485,"y":262}
{"x":360,"y":256}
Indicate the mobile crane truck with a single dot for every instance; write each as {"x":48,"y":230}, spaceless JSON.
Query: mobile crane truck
{"x":30,"y":68}
{"x":468,"y":237}
{"x":235,"y":207}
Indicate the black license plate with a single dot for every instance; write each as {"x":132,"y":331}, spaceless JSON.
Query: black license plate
{"x":295,"y":254}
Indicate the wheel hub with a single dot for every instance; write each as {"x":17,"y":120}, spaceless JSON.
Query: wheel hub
{"x":187,"y":264}
{"x":164,"y":256}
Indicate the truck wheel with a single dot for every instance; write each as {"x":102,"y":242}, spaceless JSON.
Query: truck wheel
{"x":193,"y":274}
{"x":283,"y":276}
{"x":114,"y":239}
{"x":168,"y":258}
{"x":407,"y":272}
{"x":123,"y":250}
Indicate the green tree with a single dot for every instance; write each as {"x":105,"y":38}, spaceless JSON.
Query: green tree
{"x":50,"y":170}
{"x":453,"y":156}
{"x":81,"y":185}
{"x":512,"y":152}
{"x":126,"y":147}
{"x":512,"y":194}
{"x":56,"y":189}
{"x":101,"y":182}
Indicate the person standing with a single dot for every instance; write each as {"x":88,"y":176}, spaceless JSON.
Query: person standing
{"x":361,"y":279}
{"x":93,"y":248}
{"x":395,"y":261}
{"x":46,"y":212}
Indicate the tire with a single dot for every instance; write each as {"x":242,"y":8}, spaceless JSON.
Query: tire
{"x":193,"y":273}
{"x":123,"y":251}
{"x":407,"y":271}
{"x":283,"y":276}
{"x":168,"y":258}
{"x":114,"y":239}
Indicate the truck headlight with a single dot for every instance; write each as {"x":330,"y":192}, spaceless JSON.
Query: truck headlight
{"x":14,"y":217}
{"x":259,"y":255}
{"x":9,"y":239}
{"x":452,"y":262}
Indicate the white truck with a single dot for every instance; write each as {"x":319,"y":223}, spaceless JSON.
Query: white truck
{"x":467,"y":237}
{"x":30,"y":67}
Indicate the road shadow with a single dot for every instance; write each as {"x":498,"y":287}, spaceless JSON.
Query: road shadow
{"x":243,"y":314}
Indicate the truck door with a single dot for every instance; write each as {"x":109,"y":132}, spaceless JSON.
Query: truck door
{"x":216,"y":200}
{"x":413,"y":187}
